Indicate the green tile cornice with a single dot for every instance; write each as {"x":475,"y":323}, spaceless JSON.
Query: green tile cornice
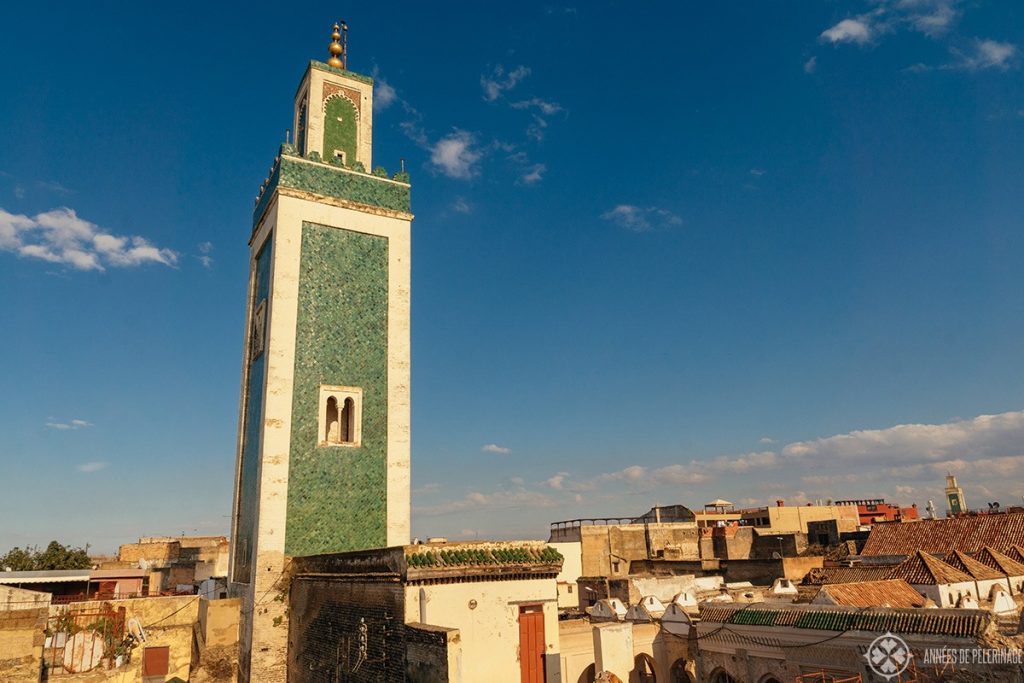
{"x":332,"y":180}
{"x":320,"y":66}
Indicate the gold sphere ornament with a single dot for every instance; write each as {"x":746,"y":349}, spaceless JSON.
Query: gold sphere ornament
{"x":335,"y":49}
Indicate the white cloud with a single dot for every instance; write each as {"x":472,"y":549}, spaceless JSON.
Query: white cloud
{"x":384,"y":95}
{"x":70,"y":424}
{"x":499,"y":500}
{"x":545,"y":107}
{"x":456,"y":155}
{"x":766,"y":440}
{"x":499,"y":82}
{"x":427,"y":488}
{"x":460,"y":205}
{"x":533,"y":175}
{"x":982,"y":435}
{"x":641,"y":219}
{"x":986,"y":54}
{"x":495,"y":448}
{"x":557,"y":481}
{"x":811,"y":65}
{"x":204,"y":254}
{"x":60,"y":236}
{"x":94,"y":466}
{"x":757,"y":172}
{"x":848,"y":31}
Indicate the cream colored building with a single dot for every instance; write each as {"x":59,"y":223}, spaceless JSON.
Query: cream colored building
{"x":779,"y":519}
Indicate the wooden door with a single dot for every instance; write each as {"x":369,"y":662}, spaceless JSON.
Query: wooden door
{"x":531,"y":643}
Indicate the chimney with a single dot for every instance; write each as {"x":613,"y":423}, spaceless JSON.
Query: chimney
{"x":780,"y":503}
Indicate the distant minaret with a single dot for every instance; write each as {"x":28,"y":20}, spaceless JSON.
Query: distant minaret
{"x":954,"y":497}
{"x":323,"y":439}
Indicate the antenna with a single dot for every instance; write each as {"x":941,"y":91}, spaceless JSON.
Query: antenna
{"x":344,"y":44}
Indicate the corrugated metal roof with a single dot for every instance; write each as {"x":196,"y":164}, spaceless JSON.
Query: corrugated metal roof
{"x":49,"y":576}
{"x":921,"y":569}
{"x":949,"y":622}
{"x":969,"y":565}
{"x":991,"y":557}
{"x":889,"y":593}
{"x":119,"y":573}
{"x":821,"y":575}
{"x":969,"y":534}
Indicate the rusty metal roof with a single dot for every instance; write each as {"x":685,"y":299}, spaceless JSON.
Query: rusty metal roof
{"x":969,"y":565}
{"x":822,"y":575}
{"x":940,"y":536}
{"x":949,"y":622}
{"x":888,"y":593}
{"x":921,"y":569}
{"x":991,"y":557}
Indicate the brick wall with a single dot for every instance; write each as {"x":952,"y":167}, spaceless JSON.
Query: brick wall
{"x":21,"y":644}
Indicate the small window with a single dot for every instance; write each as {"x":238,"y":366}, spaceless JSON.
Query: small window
{"x":340,"y":154}
{"x":340,"y":416}
{"x":259,"y":330}
{"x":156,"y":661}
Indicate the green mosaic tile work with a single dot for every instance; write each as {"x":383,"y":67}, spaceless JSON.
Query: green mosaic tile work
{"x":248,"y":484}
{"x":340,"y":128}
{"x":337,"y":495}
{"x":321,"y":66}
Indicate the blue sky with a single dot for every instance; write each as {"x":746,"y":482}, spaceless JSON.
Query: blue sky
{"x":661,"y":254}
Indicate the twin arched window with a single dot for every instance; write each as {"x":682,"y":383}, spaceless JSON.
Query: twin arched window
{"x":340,"y":416}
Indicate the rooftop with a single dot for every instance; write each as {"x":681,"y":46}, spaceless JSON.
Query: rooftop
{"x":888,"y":593}
{"x":823,"y":575}
{"x":991,"y":557}
{"x":969,"y":534}
{"x":45,"y":576}
{"x":921,"y":569}
{"x":969,"y":565}
{"x":948,"y":622}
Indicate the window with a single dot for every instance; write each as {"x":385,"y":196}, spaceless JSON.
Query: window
{"x":259,"y":330}
{"x":155,"y":661}
{"x":340,"y":154}
{"x":341,"y":411}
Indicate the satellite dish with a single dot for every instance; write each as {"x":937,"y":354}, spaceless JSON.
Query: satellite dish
{"x":83,"y":652}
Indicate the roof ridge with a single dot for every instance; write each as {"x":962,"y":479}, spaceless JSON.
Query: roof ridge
{"x":971,"y":567}
{"x":1004,"y":563}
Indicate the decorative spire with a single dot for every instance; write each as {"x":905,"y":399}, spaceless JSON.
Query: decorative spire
{"x":337,"y":48}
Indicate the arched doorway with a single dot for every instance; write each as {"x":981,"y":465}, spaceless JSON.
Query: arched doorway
{"x":643,"y":669}
{"x":722,"y":676}
{"x":588,"y":675}
{"x":678,"y":672}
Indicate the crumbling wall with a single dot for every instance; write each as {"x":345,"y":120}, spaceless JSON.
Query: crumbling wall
{"x":21,"y":643}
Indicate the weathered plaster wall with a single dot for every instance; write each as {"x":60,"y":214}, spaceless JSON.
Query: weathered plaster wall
{"x":489,"y":631}
{"x":21,"y":642}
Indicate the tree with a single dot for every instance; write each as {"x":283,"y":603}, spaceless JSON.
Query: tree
{"x":56,"y":556}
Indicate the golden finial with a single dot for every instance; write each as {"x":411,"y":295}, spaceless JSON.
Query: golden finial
{"x":337,"y":46}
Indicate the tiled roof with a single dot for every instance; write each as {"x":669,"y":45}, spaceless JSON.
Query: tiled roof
{"x":969,"y":534}
{"x":921,"y":569}
{"x":1015,"y":552}
{"x":991,"y":557}
{"x":969,"y":565}
{"x":889,"y":593}
{"x":822,"y":575}
{"x":948,"y":622}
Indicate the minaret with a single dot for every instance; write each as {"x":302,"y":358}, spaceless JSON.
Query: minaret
{"x":323,"y":439}
{"x":954,"y":497}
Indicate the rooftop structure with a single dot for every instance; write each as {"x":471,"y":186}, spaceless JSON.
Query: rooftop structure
{"x":887,"y":593}
{"x":921,"y":569}
{"x":940,"y":536}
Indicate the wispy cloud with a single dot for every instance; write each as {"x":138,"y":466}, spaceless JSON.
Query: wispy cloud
{"x":499,"y":81}
{"x":460,"y":205}
{"x":495,"y":448}
{"x":70,"y":424}
{"x":641,"y":219}
{"x":985,"y":54}
{"x":384,"y":94}
{"x":533,"y":175}
{"x":94,"y":466}
{"x":848,"y":31}
{"x":60,"y":236}
{"x":205,"y":248}
{"x":543,"y":106}
{"x":456,"y":155}
{"x":517,"y":499}
{"x":811,"y":65}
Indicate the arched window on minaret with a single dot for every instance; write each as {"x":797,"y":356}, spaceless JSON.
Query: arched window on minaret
{"x":333,"y":432}
{"x":348,"y":414}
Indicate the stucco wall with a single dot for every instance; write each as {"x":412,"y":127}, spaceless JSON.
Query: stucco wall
{"x":489,"y":631}
{"x":21,"y":643}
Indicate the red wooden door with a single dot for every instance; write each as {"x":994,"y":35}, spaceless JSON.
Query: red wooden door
{"x":531,"y":643}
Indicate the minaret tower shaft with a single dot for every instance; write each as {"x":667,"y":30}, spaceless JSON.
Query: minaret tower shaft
{"x":323,"y":439}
